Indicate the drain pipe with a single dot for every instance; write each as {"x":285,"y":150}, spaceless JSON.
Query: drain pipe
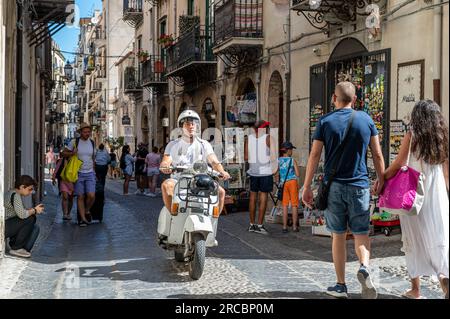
{"x":18,"y":110}
{"x":437,"y":51}
{"x":288,"y":82}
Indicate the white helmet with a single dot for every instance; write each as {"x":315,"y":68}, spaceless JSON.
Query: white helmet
{"x":190,"y":116}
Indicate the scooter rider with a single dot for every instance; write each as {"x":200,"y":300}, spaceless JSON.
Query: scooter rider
{"x":187,"y":150}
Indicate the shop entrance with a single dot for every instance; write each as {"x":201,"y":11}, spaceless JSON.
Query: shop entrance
{"x":369,"y":72}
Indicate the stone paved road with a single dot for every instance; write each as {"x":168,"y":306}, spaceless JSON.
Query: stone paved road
{"x":120,"y":259}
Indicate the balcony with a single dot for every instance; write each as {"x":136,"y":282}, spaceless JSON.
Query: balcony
{"x":101,"y":72}
{"x":132,"y":12}
{"x":47,"y":13}
{"x":334,"y":13}
{"x":153,"y":72}
{"x":131,"y":81}
{"x":238,"y":25}
{"x":191,"y":57}
{"x":98,"y":86}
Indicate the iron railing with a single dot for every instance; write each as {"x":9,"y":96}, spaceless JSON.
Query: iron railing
{"x":238,"y":18}
{"x":194,"y":46}
{"x":154,"y":70}
{"x":132,"y":6}
{"x":131,"y":79}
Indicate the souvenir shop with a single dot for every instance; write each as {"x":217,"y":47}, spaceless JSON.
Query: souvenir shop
{"x":370,"y":73}
{"x":241,"y":115}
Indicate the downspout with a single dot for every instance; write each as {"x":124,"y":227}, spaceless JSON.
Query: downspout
{"x":288,"y":83}
{"x":437,"y":51}
{"x":18,"y":110}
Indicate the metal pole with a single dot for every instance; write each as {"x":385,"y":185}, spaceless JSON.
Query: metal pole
{"x":288,"y":83}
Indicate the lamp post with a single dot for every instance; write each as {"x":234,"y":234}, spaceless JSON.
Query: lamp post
{"x":68,"y":70}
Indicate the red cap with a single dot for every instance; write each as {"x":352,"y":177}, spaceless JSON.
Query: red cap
{"x":264,"y":125}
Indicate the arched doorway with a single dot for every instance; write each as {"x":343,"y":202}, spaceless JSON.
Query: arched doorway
{"x":144,"y":126}
{"x":209,"y":112}
{"x":276,"y":105}
{"x":183,"y":107}
{"x":247,"y":104}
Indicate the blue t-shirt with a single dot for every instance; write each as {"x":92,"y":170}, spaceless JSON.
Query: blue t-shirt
{"x":330,"y":129}
{"x":283,"y":165}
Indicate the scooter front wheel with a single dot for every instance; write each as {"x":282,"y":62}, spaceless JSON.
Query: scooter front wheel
{"x":198,"y":259}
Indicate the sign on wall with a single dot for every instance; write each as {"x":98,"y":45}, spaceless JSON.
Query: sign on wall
{"x":398,"y":131}
{"x":410,"y":87}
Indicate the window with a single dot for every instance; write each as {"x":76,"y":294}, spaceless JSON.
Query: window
{"x":190,"y":7}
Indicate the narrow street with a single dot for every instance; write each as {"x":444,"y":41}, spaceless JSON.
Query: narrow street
{"x":120,"y":259}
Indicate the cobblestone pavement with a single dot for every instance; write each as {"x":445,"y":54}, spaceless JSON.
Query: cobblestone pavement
{"x":120,"y":259}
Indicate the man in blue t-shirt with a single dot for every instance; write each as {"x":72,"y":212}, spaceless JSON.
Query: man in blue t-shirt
{"x":349,"y":193}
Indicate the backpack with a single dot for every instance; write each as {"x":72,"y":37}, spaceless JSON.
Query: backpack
{"x":123,"y":165}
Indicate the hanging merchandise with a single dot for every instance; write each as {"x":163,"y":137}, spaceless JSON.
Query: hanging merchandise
{"x":247,"y":108}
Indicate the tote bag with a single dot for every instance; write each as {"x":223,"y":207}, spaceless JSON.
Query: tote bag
{"x":70,"y":171}
{"x":403,"y":194}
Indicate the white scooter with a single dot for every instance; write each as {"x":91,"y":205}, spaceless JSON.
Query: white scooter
{"x":191,"y":224}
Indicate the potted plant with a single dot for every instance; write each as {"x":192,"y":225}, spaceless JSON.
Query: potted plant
{"x":142,"y":55}
{"x":166,"y":40}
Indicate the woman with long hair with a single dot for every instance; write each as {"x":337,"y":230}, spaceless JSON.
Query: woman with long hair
{"x":126,"y":164}
{"x":425,"y":236}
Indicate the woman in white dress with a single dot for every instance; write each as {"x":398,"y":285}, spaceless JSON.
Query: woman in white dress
{"x":425,"y":236}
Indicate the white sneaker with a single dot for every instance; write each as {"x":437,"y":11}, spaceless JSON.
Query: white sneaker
{"x":150,"y":194}
{"x":20,"y":253}
{"x":138,"y":192}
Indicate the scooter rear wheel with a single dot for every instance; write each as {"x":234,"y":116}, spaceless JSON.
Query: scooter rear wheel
{"x":198,"y":259}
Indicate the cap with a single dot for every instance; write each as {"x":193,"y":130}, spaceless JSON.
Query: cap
{"x":287,"y":146}
{"x":261,"y":124}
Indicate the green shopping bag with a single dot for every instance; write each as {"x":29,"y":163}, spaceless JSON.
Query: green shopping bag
{"x":70,"y":171}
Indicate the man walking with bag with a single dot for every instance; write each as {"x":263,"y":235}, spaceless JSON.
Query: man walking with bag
{"x":345,"y":194}
{"x":84,"y":148}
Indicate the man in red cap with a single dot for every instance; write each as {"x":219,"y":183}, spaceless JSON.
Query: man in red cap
{"x":262,"y":157}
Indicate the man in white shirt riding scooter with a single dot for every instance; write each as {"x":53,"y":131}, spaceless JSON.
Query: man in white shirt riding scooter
{"x":185,"y":151}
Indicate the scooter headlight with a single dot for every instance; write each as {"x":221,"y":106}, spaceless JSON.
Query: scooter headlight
{"x":203,"y":182}
{"x":200,"y":167}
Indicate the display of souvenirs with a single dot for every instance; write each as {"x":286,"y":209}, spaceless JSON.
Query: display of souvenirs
{"x":352,"y":71}
{"x":383,"y":216}
{"x":314,"y":117}
{"x":244,"y":110}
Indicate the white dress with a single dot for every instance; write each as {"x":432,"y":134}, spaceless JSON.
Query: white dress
{"x":425,"y":236}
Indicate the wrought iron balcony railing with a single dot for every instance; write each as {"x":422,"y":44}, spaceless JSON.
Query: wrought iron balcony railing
{"x":237,"y":18}
{"x":131,"y":80}
{"x":326,"y":13}
{"x":194,"y":46}
{"x":132,"y":12}
{"x":154,"y":71}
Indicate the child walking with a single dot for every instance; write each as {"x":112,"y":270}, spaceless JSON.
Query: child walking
{"x":288,"y":172}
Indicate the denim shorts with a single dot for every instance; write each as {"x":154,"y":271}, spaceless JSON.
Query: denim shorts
{"x":348,"y":207}
{"x":151,"y":171}
{"x":85,"y":183}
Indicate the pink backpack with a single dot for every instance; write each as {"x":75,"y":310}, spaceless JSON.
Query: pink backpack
{"x":403,"y":194}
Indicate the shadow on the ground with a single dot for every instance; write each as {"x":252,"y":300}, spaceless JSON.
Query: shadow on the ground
{"x":145,"y":269}
{"x":274,"y":294}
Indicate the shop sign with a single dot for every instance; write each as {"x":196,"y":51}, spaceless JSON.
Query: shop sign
{"x":126,"y":120}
